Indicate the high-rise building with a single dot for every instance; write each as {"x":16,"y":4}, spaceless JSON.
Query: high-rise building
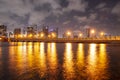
{"x":30,"y":31}
{"x":56,"y":30}
{"x":45,"y":31}
{"x":88,"y":32}
{"x":3,"y":30}
{"x":17,"y":32}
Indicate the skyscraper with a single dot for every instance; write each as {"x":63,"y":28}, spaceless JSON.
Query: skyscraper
{"x":3,"y":30}
{"x":45,"y":31}
{"x":88,"y":32}
{"x":17,"y":32}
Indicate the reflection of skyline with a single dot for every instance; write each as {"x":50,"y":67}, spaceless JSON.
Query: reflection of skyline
{"x":103,"y":62}
{"x":68,"y":62}
{"x":92,"y":62}
{"x":16,"y":57}
{"x":42,"y":60}
{"x":33,"y":58}
{"x":80,"y":63}
{"x":19,"y":56}
{"x":97,"y":62}
{"x":80,"y":55}
{"x":30,"y":54}
{"x":52,"y":60}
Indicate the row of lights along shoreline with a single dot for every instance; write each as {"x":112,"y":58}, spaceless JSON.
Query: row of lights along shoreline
{"x":47,"y":32}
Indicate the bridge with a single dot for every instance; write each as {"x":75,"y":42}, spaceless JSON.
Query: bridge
{"x":72,"y":40}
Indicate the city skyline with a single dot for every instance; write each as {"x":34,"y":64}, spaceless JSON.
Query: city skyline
{"x":64,"y":14}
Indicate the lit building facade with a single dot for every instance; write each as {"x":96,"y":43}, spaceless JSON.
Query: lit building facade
{"x":17,"y":33}
{"x":30,"y":31}
{"x":3,"y":30}
{"x":45,"y":31}
{"x":88,"y":32}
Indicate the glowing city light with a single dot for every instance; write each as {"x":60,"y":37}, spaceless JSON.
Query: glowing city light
{"x":42,"y":35}
{"x":92,"y":31}
{"x":53,"y":35}
{"x":102,"y":33}
{"x":80,"y":35}
{"x":30,"y":35}
{"x":68,"y":33}
{"x":0,"y":38}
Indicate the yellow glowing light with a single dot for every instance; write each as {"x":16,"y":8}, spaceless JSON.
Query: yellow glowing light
{"x":103,"y":62}
{"x":24,"y":35}
{"x":19,"y":35}
{"x":36,"y":35}
{"x":42,"y":35}
{"x":30,"y":51}
{"x":92,"y":31}
{"x":80,"y":56}
{"x":92,"y":61}
{"x":53,"y":35}
{"x":18,"y":50}
{"x":102,"y":33}
{"x":49,"y":36}
{"x":68,"y":33}
{"x":30,"y":35}
{"x":68,"y":62}
{"x":52,"y":58}
{"x":80,"y":35}
{"x":0,"y":38}
{"x":42,"y":59}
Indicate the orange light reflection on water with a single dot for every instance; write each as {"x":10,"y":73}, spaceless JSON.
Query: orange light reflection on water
{"x":92,"y":62}
{"x":42,"y":60}
{"x":19,"y":56}
{"x":80,"y":63}
{"x":29,"y":54}
{"x":52,"y":60}
{"x":97,"y":62}
{"x":68,"y":62}
{"x":103,"y":62}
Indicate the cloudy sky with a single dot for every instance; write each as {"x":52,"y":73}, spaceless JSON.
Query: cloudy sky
{"x":65,"y":14}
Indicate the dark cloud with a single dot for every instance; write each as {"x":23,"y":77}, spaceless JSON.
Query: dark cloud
{"x":64,"y":13}
{"x":63,"y":3}
{"x":44,"y":7}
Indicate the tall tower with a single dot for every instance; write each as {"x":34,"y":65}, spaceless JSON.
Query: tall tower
{"x":3,"y":30}
{"x":87,"y":32}
{"x":56,"y":31}
{"x":45,"y":30}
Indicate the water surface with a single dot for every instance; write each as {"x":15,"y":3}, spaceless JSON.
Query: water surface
{"x":59,"y":61}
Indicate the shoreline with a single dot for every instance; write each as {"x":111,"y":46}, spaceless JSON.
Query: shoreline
{"x":66,"y":40}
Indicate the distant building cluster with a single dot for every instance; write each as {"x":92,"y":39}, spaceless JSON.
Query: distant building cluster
{"x":87,"y":33}
{"x":3,"y":30}
{"x":46,"y":32}
{"x":34,"y":32}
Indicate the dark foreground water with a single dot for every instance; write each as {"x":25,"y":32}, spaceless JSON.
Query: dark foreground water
{"x":59,"y":61}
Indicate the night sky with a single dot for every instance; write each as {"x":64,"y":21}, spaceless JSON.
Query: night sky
{"x":64,"y":14}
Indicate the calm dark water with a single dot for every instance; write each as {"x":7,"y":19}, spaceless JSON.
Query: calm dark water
{"x":59,"y":61}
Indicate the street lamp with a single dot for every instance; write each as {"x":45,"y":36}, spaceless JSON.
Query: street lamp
{"x":68,"y":34}
{"x":42,"y":35}
{"x":80,"y":35}
{"x":92,"y":31}
{"x":102,"y":34}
